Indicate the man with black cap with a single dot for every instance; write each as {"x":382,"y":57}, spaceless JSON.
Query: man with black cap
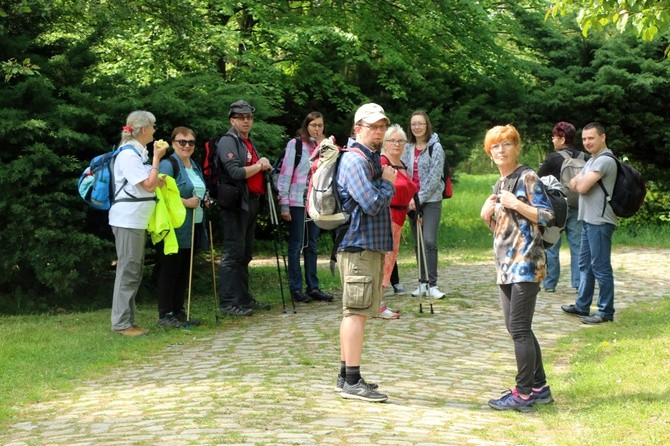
{"x":366,"y":189}
{"x":241,"y":166}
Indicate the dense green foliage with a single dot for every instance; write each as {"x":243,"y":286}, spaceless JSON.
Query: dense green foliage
{"x":71,"y":72}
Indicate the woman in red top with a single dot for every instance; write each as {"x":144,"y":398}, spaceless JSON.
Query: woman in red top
{"x":394,"y":143}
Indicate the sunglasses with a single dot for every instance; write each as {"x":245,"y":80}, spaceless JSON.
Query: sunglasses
{"x":184,"y":142}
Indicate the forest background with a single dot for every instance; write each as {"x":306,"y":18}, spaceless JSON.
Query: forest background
{"x":73,"y":70}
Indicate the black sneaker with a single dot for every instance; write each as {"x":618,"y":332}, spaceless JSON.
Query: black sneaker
{"x":341,"y":381}
{"x":256,"y":305}
{"x":169,"y":321}
{"x":181,"y":317}
{"x":571,"y":309}
{"x":362,"y":391}
{"x":317,"y":294}
{"x":299,"y":296}
{"x":234,"y":310}
{"x":595,"y":319}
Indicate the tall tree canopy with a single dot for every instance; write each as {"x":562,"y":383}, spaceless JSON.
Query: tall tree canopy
{"x":72,"y":71}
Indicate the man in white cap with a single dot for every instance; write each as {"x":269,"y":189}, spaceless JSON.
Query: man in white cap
{"x":366,"y":189}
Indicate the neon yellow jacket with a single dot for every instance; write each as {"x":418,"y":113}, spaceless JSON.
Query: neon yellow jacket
{"x":168,"y":214}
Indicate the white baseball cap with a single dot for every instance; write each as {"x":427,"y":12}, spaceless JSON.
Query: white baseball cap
{"x":370,"y":113}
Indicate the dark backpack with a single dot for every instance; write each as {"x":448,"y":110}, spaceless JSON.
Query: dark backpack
{"x":210,"y":166}
{"x":629,"y":190}
{"x":570,"y":168}
{"x":96,"y":183}
{"x":556,"y":195}
{"x":277,"y":165}
{"x":448,"y":191}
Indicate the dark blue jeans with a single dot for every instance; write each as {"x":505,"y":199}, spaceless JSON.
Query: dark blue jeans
{"x":302,"y":236}
{"x":595,"y":263}
{"x":518,"y":305}
{"x":573,"y":233}
{"x":239,"y":228}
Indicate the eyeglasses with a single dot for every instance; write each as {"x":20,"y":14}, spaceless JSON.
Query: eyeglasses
{"x":395,"y":142}
{"x":244,"y":117}
{"x":502,"y":145}
{"x":375,"y":128}
{"x":316,"y":126}
{"x":418,"y":124}
{"x":183,"y":142}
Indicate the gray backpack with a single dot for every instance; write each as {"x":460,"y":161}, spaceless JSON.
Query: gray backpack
{"x":569,"y":169}
{"x":323,"y":202}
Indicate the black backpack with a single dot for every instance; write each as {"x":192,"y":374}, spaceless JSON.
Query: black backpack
{"x":629,"y":190}
{"x":276,"y":166}
{"x":559,"y":202}
{"x":447,"y":192}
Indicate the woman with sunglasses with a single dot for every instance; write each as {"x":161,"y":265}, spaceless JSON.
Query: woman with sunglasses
{"x":174,"y":269}
{"x":424,"y":158}
{"x":394,"y":143}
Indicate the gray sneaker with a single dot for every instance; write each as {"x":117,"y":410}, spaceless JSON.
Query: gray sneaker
{"x":341,"y":381}
{"x":362,"y":391}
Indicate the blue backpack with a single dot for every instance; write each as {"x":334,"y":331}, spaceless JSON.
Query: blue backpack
{"x":96,"y":183}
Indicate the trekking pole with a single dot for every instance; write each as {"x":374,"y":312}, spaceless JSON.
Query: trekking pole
{"x":421,"y":248}
{"x":275,"y":223}
{"x":187,"y":325}
{"x":211,"y":254}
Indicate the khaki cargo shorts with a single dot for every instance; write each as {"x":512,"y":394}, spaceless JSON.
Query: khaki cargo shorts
{"x":361,"y":274}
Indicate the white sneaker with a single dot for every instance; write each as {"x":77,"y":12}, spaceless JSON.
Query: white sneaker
{"x":435,"y":293}
{"x":421,"y":290}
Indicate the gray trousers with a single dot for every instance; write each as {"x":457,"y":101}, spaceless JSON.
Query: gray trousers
{"x":129,"y":268}
{"x":432,"y":213}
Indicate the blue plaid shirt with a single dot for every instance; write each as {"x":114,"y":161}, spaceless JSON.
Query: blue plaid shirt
{"x":367,"y":198}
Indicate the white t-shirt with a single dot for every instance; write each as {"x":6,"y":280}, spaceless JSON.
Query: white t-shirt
{"x":129,"y":166}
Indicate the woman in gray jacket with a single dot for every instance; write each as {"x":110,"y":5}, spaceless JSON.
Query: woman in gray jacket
{"x":424,"y":158}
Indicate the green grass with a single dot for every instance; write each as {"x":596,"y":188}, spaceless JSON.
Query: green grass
{"x":613,"y":384}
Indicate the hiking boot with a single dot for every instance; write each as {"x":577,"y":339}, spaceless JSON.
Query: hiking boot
{"x":512,"y":401}
{"x":131,"y":331}
{"x":234,"y":310}
{"x":169,"y":321}
{"x":299,"y":296}
{"x":571,"y":309}
{"x":256,"y":305}
{"x":421,"y":290}
{"x":362,"y":391}
{"x":435,"y":293}
{"x":181,"y":317}
{"x":341,"y":381}
{"x":317,"y":294}
{"x":595,"y":319}
{"x":542,"y":396}
{"x":399,"y":290}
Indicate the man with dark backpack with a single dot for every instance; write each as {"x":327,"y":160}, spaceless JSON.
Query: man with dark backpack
{"x":241,"y":185}
{"x":564,"y":164}
{"x":598,"y":226}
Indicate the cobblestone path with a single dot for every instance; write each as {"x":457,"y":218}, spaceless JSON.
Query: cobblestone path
{"x":271,"y":381}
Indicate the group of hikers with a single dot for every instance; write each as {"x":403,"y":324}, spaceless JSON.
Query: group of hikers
{"x":384,"y":176}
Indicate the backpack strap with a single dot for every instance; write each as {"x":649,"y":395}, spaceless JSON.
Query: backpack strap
{"x":602,"y":186}
{"x":175,"y":167}
{"x":132,"y":198}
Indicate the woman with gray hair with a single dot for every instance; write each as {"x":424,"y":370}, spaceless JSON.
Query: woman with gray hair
{"x":134,"y":199}
{"x":394,"y":142}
